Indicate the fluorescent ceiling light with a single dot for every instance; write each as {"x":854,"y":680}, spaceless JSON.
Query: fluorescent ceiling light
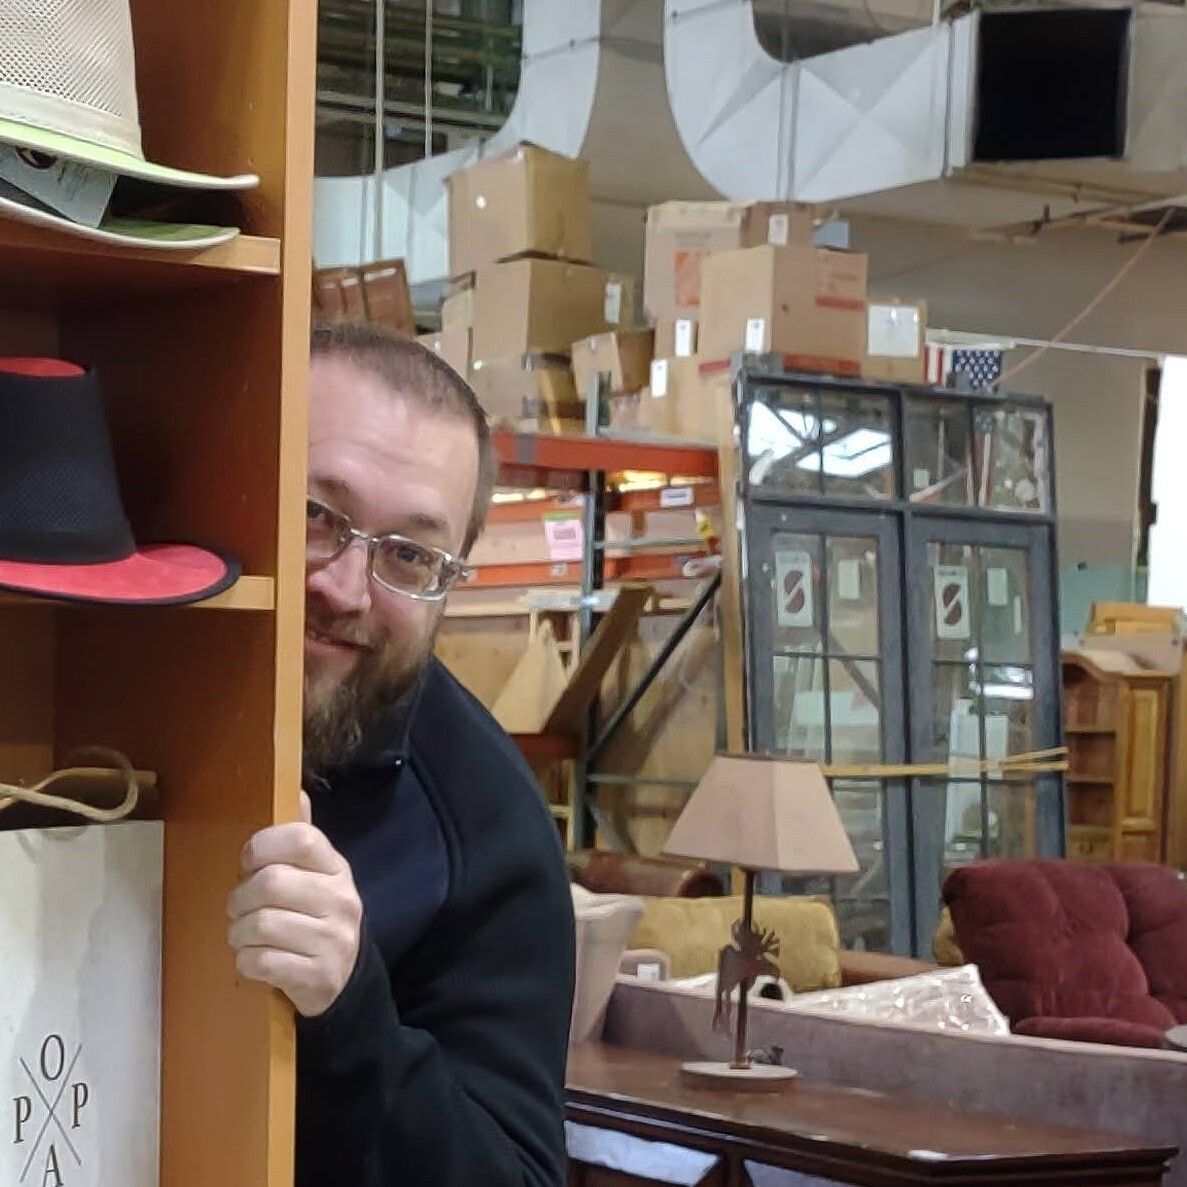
{"x":775,"y":434}
{"x":855,"y":454}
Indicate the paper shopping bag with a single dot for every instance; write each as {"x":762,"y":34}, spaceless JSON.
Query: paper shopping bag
{"x":80,"y":1005}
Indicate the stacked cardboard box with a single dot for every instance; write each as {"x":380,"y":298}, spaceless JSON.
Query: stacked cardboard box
{"x":806,"y":303}
{"x":452,"y":343}
{"x":519,"y":247}
{"x":682,"y":238}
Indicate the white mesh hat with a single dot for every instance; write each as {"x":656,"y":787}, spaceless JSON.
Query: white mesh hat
{"x":68,"y":89}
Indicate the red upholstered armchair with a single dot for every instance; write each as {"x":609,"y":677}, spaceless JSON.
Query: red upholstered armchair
{"x":1070,"y":950}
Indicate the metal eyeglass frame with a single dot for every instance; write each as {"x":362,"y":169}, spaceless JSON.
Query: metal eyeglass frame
{"x":453,"y":570}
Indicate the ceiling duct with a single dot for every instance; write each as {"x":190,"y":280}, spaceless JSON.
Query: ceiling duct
{"x":993,"y":117}
{"x":591,"y":84}
{"x":999,"y":117}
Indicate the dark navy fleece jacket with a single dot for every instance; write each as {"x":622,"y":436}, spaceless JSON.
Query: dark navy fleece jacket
{"x":442,"y":1062}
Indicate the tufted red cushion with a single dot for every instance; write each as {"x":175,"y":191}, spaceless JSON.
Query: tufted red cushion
{"x":1058,"y":939}
{"x":1092,"y":1030}
{"x":1156,"y":898}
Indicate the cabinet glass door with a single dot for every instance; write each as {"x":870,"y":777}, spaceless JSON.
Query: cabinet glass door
{"x":826,"y":685}
{"x":983,"y":658}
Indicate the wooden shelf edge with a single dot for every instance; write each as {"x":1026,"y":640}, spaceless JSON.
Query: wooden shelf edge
{"x":248,"y":593}
{"x":1090,"y":730}
{"x":245,"y":254}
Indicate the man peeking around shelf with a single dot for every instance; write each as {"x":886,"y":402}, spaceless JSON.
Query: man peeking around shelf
{"x":419,"y":918}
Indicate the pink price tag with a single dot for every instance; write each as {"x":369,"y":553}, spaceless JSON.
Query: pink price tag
{"x":565,"y":536}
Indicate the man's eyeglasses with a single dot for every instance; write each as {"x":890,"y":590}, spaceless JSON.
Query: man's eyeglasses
{"x":395,"y":562}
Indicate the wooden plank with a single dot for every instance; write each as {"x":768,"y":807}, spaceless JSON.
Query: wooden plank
{"x":611,"y":635}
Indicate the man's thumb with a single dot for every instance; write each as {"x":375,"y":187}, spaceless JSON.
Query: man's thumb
{"x":306,"y":809}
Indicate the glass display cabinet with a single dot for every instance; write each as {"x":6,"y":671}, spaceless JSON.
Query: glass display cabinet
{"x":900,"y":607}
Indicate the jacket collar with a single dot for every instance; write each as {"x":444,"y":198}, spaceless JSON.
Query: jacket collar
{"x":386,"y":740}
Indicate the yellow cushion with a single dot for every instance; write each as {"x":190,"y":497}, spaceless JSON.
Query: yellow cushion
{"x":693,"y":930}
{"x":944,"y":946}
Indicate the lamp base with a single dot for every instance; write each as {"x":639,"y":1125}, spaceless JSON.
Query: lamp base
{"x":757,"y":1077}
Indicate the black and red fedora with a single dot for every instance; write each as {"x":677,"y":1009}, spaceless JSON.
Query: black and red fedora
{"x":63,"y":530}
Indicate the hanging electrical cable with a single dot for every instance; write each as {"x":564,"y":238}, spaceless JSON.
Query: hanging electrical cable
{"x":1096,"y":301}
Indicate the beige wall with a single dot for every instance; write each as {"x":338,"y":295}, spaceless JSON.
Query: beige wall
{"x":1033,"y":290}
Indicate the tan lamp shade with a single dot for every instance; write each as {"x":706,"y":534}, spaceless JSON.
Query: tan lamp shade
{"x":764,"y":814}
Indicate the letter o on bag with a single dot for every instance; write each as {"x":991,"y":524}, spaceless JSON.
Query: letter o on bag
{"x":53,"y":1043}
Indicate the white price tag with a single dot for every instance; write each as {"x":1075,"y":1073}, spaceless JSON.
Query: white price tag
{"x":952,"y":602}
{"x":684,"y":338}
{"x":676,"y":496}
{"x":756,"y":335}
{"x":998,"y":582}
{"x":75,"y":191}
{"x":894,"y":331}
{"x":778,"y":230}
{"x":921,"y":479}
{"x":612,"y":312}
{"x":659,"y":377}
{"x":849,"y":580}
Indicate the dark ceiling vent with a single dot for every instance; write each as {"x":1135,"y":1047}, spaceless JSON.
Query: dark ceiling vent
{"x":1052,"y":84}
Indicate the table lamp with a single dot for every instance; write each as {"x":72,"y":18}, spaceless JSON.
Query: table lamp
{"x":759,"y":813}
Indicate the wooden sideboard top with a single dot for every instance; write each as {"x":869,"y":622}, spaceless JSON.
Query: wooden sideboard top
{"x":854,"y":1124}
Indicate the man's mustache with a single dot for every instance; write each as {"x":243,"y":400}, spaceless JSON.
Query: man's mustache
{"x":343,"y":631}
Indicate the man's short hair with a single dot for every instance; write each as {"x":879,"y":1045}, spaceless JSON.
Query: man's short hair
{"x":413,"y":371}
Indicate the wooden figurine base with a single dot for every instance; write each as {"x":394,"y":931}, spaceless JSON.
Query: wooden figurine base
{"x":757,"y":1077}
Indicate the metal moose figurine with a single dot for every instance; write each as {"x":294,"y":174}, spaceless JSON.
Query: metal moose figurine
{"x":740,"y":963}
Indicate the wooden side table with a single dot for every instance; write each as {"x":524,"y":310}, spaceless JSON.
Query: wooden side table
{"x":632,"y":1122}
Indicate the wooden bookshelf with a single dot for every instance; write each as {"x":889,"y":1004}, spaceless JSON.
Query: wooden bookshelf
{"x":204,"y":362}
{"x":1116,"y":728}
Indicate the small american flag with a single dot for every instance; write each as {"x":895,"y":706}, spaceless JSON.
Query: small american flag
{"x":980,"y":365}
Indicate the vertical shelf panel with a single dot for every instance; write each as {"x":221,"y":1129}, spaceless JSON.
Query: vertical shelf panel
{"x":206,"y":381}
{"x":191,"y":697}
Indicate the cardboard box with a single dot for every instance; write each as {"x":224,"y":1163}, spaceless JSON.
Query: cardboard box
{"x":338,"y":295}
{"x":680,"y":235}
{"x":376,"y":293}
{"x":453,"y":345}
{"x":672,"y":403}
{"x":621,"y":307}
{"x":524,"y":200}
{"x":624,"y":412}
{"x":806,"y":303}
{"x":457,"y":310}
{"x":625,"y":355}
{"x":676,"y":337}
{"x":505,"y":386}
{"x":536,"y":305}
{"x":895,"y":334}
{"x":389,"y":301}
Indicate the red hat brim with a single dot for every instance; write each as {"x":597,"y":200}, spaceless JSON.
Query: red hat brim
{"x":154,"y":575}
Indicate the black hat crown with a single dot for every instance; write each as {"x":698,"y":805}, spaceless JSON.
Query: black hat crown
{"x":59,"y":495}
